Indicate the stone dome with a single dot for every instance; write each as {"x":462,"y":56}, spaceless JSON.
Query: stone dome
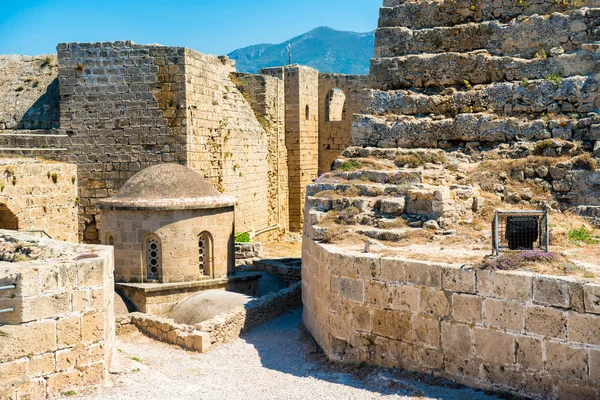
{"x":167,"y":187}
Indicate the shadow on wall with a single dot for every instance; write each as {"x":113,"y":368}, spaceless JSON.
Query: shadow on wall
{"x":45,"y":112}
{"x":285,"y":346}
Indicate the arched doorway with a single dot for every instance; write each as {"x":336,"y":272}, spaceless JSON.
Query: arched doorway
{"x":8,"y":220}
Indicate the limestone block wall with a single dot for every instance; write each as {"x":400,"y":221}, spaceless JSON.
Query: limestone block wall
{"x":266,"y":96}
{"x":334,"y":136}
{"x":301,"y":133}
{"x":61,"y":335}
{"x":29,"y":92}
{"x":226,"y":142}
{"x":533,"y":335}
{"x":178,"y":232}
{"x":123,"y":106}
{"x":38,"y":195}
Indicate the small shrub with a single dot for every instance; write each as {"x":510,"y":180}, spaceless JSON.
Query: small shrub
{"x":243,"y":237}
{"x":541,"y":55}
{"x":348,"y":215}
{"x":582,"y":235}
{"x":542,"y":145}
{"x":525,"y":82}
{"x":79,"y":67}
{"x":47,"y":62}
{"x":350,"y":165}
{"x":473,"y":8}
{"x":414,"y":160}
{"x":468,"y":85}
{"x":54,"y":178}
{"x":19,"y":89}
{"x":73,"y":179}
{"x":137,"y":359}
{"x":554,"y":78}
{"x":521,"y":3}
{"x":585,"y":162}
{"x":69,"y":393}
{"x":515,"y":260}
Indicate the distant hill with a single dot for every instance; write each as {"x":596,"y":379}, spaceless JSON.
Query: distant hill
{"x":322,"y":48}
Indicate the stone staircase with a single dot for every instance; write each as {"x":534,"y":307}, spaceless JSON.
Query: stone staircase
{"x":455,"y":83}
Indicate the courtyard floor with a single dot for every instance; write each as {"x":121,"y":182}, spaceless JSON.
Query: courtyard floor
{"x":277,"y":360}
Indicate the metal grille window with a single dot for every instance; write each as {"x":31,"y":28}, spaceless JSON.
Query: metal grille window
{"x":153,"y":258}
{"x":204,"y":253}
{"x":520,"y":230}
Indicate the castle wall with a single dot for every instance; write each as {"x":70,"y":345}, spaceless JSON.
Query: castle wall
{"x":534,"y":335}
{"x":266,"y":96}
{"x":123,"y":106}
{"x":61,"y":335}
{"x":29,"y":92}
{"x":301,"y":133}
{"x":39,"y":196}
{"x":334,"y":136}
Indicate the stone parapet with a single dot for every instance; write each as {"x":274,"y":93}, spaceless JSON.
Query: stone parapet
{"x":533,"y":335}
{"x":60,"y":336}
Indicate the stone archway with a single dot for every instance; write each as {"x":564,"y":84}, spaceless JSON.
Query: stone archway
{"x":9,"y":214}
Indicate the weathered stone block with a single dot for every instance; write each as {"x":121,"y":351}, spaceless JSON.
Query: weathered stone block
{"x":68,"y":331}
{"x":435,"y":303}
{"x":426,"y":330}
{"x":459,"y":280}
{"x":494,"y":346}
{"x":457,"y":339}
{"x":393,"y":206}
{"x":40,"y":365}
{"x":404,"y":298}
{"x":591,"y":297}
{"x":200,"y":341}
{"x":392,"y":270}
{"x":92,"y":327}
{"x":552,"y":292}
{"x":509,"y":285}
{"x":566,"y":361}
{"x":392,"y":324}
{"x":351,"y":289}
{"x":529,"y":353}
{"x":594,"y":365}
{"x":504,"y":314}
{"x":546,"y":321}
{"x":63,"y":381}
{"x":466,"y":308}
{"x":584,"y":328}
{"x":378,"y":294}
{"x":33,"y":338}
{"x":12,"y":372}
{"x":572,"y":392}
{"x":423,"y":274}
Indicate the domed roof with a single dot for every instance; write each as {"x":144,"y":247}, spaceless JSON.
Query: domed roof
{"x":167,"y":187}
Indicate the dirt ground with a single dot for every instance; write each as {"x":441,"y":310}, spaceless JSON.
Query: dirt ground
{"x":277,"y":360}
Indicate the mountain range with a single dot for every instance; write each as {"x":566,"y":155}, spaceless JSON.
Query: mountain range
{"x":323,"y":48}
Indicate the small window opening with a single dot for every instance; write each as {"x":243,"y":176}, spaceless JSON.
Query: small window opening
{"x":307,"y":113}
{"x":204,"y":253}
{"x":153,"y":258}
{"x":335,"y":105}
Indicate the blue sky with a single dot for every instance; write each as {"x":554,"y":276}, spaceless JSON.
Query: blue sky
{"x":214,"y":27}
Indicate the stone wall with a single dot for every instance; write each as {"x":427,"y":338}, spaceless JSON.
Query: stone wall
{"x":288,"y":270}
{"x":224,"y":327}
{"x":334,"y":136}
{"x":39,"y":196}
{"x":301,"y":133}
{"x":61,"y":335}
{"x":126,"y":107}
{"x":266,"y":96}
{"x":29,"y":92}
{"x":533,"y":335}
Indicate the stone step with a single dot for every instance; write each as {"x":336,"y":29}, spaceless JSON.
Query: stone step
{"x":574,"y":95}
{"x":412,"y":132}
{"x":429,"y":13}
{"x":520,"y":38}
{"x":392,"y":177}
{"x":479,"y":67}
{"x":38,"y":142}
{"x":357,"y":189}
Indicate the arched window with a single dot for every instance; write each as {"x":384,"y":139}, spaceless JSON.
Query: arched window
{"x":153,"y":257}
{"x":110,"y":240}
{"x":335,"y":105}
{"x":307,"y":113}
{"x":205,"y":253}
{"x":8,"y":220}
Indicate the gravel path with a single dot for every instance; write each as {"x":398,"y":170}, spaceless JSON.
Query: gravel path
{"x":270,"y":362}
